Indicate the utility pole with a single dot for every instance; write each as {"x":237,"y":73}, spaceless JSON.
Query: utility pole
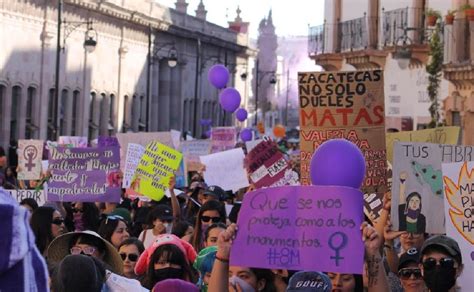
{"x":287,"y":94}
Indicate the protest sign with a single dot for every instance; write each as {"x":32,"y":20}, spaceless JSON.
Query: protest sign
{"x":30,"y":154}
{"x":251,"y":144}
{"x":192,"y":150}
{"x":73,"y":141}
{"x":157,"y":165}
{"x":181,"y":175}
{"x":223,"y":138}
{"x":37,"y":195}
{"x":346,"y":105}
{"x":267,"y":166}
{"x":106,"y":141}
{"x":312,"y":228}
{"x":417,"y":184}
{"x":441,"y":135}
{"x":142,"y":138}
{"x":134,"y":154}
{"x":226,"y":169}
{"x":175,"y":138}
{"x":84,"y":174}
{"x":458,"y":179}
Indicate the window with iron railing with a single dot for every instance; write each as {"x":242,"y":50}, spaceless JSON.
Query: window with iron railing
{"x":396,"y":22}
{"x":316,"y":40}
{"x":353,"y":34}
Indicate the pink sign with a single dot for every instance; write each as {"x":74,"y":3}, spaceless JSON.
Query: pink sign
{"x":223,"y":138}
{"x":313,"y":228}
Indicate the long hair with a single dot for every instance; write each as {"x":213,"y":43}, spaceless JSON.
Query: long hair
{"x":91,"y":275}
{"x":409,"y":197}
{"x":268,"y":276}
{"x":40,"y":222}
{"x":172,"y":254}
{"x":90,"y":217}
{"x":107,"y":227}
{"x":212,"y":205}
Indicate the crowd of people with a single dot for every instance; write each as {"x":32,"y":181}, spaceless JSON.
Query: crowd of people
{"x":183,"y":243}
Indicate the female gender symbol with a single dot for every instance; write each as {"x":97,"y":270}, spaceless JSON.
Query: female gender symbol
{"x":332,"y":244}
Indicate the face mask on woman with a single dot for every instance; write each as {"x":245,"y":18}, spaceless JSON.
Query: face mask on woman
{"x":440,"y":279}
{"x":234,"y":280}
{"x":168,"y":227}
{"x":167,"y":273}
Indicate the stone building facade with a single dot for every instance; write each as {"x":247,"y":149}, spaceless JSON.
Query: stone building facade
{"x":125,"y":84}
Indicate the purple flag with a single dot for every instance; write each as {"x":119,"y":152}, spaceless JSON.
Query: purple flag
{"x":84,"y":174}
{"x":313,"y":228}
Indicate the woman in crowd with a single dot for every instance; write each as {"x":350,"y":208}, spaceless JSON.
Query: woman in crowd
{"x":168,"y":257}
{"x":203,"y":265}
{"x":10,"y":182}
{"x":130,"y":250}
{"x":409,"y":271}
{"x":114,"y":229}
{"x":47,"y":224}
{"x":182,"y":229}
{"x":85,"y":216}
{"x":77,"y":273}
{"x":29,"y":203}
{"x":346,"y":282}
{"x":211,"y":212}
{"x":212,"y":233}
{"x":160,"y":220}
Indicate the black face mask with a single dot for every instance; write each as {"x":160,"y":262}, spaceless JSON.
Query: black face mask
{"x":440,"y":279}
{"x":167,"y":273}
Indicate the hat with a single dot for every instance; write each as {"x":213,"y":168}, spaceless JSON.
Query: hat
{"x":174,"y":285}
{"x":446,"y":242}
{"x":410,"y":256}
{"x":22,"y":267}
{"x":309,"y":282}
{"x":162,"y":212}
{"x":122,"y":212}
{"x":216,"y":192}
{"x":145,"y":257}
{"x":59,"y":249}
{"x":205,"y":259}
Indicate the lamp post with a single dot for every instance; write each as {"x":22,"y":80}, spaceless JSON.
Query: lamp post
{"x":258,"y":79}
{"x":90,"y":43}
{"x":172,"y":60}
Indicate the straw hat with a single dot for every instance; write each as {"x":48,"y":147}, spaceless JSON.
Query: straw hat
{"x":59,"y":249}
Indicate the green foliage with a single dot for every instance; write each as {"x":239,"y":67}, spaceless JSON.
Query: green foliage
{"x":432,"y":12}
{"x":434,"y":68}
{"x":466,"y":7}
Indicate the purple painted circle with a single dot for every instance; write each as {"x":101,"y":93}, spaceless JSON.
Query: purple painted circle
{"x":338,"y":162}
{"x":218,"y":76}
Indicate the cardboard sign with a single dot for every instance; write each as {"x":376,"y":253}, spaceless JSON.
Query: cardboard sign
{"x":192,"y":150}
{"x":346,"y":105}
{"x":73,"y":141}
{"x":226,"y":169}
{"x":458,"y":179}
{"x":417,"y":184}
{"x":30,"y":154}
{"x":157,"y":165}
{"x":84,"y":174}
{"x":142,"y":138}
{"x":312,"y":228}
{"x":133,"y":157}
{"x":267,"y":166}
{"x":223,"y":138}
{"x":441,"y":135}
{"x":37,"y":195}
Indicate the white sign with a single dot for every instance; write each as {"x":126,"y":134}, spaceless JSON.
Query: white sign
{"x":134,"y":154}
{"x":226,"y":169}
{"x":30,"y":154}
{"x":38,"y":196}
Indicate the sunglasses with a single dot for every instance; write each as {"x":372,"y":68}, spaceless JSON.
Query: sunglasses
{"x":58,"y":221}
{"x":406,"y":273}
{"x":430,"y":263}
{"x":131,"y":256}
{"x":74,"y":210}
{"x":113,"y":217}
{"x":86,"y":250}
{"x":206,"y":219}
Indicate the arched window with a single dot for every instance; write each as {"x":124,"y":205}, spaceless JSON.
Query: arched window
{"x":135,"y":113}
{"x":51,"y":114}
{"x":126,"y":114}
{"x":63,"y":116}
{"x":3,"y":90}
{"x":15,"y":112}
{"x":75,"y":112}
{"x":30,"y":128}
{"x":93,"y":117}
{"x":111,"y":127}
{"x":104,"y":114}
{"x":143,"y":118}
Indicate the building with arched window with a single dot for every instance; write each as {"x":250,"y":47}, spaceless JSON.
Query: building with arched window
{"x":126,"y":83}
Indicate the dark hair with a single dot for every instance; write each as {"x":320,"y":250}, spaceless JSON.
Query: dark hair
{"x":268,"y":276}
{"x":90,"y":278}
{"x":89,"y":240}
{"x":440,"y":249}
{"x":154,"y":214}
{"x":213,"y":226}
{"x":90,"y":216}
{"x":41,"y":220}
{"x":30,"y":202}
{"x":133,"y":241}
{"x":172,"y":254}
{"x":107,"y":227}
{"x":211,"y":205}
{"x":180,"y":228}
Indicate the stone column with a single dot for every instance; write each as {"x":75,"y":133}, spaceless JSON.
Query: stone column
{"x":175,"y":107}
{"x":155,"y":96}
{"x":164,"y":100}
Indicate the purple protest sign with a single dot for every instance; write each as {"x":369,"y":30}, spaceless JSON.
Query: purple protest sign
{"x":84,"y":174}
{"x":312,"y":228}
{"x":106,"y":141}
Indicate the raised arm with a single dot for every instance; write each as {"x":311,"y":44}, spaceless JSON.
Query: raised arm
{"x":375,"y":269}
{"x":219,"y":281}
{"x":174,"y":200}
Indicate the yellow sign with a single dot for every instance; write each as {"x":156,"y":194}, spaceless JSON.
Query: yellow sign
{"x":442,"y":135}
{"x":156,"y":167}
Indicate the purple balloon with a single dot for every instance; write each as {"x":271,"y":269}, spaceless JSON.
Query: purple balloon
{"x":218,"y":76}
{"x":241,"y":114}
{"x":230,"y":99}
{"x":208,"y":133}
{"x":338,"y":162}
{"x":246,"y":135}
